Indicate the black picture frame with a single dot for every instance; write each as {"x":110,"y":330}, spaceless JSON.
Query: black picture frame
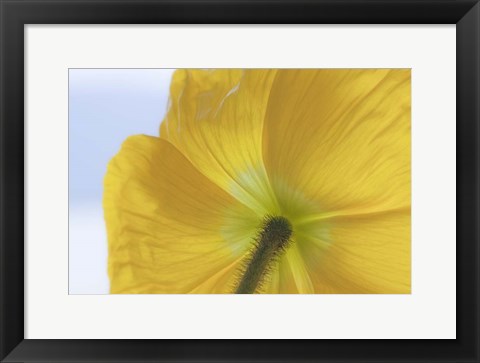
{"x":17,"y":13}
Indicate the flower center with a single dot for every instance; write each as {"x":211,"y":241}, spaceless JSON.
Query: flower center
{"x":272,"y":240}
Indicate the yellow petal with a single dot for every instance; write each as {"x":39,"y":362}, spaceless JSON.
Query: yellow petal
{"x":359,"y":254}
{"x":337,"y":142}
{"x":216,"y":119}
{"x":170,"y":229}
{"x":288,"y":275}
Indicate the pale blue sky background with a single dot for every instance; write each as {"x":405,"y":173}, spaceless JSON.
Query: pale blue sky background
{"x":105,"y":107}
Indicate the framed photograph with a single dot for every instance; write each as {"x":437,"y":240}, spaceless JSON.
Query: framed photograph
{"x":239,"y":181}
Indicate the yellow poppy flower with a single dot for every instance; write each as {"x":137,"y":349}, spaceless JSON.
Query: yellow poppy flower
{"x":273,"y":181}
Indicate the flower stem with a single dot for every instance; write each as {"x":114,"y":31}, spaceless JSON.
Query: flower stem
{"x":272,"y":241}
